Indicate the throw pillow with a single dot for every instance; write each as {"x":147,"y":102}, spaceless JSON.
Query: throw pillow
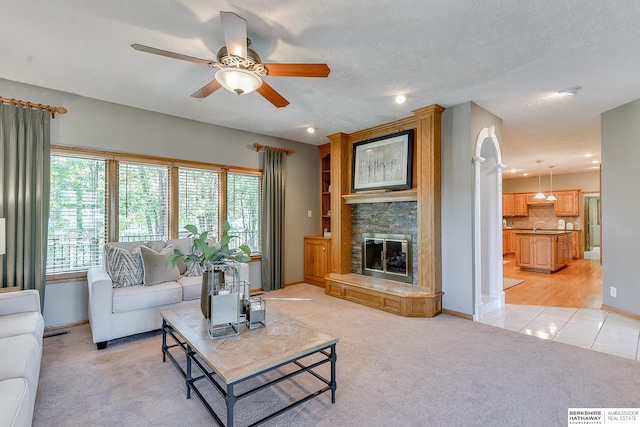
{"x":123,"y":265}
{"x":155,"y":268}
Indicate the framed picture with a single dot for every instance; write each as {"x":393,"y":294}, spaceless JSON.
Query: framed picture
{"x":383,"y":163}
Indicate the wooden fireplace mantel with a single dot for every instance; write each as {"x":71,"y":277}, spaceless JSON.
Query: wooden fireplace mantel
{"x":383,"y":196}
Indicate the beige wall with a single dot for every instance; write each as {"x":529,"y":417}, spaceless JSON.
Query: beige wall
{"x":588,"y":182}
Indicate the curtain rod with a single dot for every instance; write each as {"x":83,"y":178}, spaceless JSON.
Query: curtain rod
{"x":49,"y":108}
{"x":268,"y":147}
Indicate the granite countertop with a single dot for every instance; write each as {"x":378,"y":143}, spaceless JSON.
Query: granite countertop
{"x":519,"y":229}
{"x":543,"y":232}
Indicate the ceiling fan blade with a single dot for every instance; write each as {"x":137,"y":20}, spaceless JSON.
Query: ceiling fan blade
{"x":234,"y":28}
{"x":207,"y":89}
{"x":271,"y":95}
{"x":297,"y":70}
{"x":173,"y":55}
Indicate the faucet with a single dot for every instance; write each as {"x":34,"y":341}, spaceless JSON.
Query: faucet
{"x":535,"y":225}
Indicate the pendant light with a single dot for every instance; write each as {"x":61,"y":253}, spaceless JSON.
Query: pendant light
{"x":551,"y":197}
{"x":539,"y":195}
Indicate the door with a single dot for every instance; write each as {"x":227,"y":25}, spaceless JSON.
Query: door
{"x":592,"y":221}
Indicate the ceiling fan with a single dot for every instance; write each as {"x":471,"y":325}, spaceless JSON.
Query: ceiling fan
{"x":239,"y":67}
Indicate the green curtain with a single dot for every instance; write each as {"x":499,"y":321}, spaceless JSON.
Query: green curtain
{"x":273,"y":186}
{"x":24,"y":195}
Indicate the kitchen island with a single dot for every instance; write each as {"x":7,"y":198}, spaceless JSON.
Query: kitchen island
{"x":544,"y":251}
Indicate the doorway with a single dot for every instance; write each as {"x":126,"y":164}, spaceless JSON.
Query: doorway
{"x":592,"y":226}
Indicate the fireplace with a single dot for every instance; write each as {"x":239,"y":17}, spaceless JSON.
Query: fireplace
{"x":387,"y":256}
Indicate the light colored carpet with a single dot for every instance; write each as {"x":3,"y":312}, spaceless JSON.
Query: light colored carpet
{"x":391,"y":371}
{"x":508,"y":283}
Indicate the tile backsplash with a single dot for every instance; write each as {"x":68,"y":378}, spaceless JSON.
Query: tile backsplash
{"x":541,"y":213}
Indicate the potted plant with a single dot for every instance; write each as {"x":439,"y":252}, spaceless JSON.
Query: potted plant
{"x":213,"y":259}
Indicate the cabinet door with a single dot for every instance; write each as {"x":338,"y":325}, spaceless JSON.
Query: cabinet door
{"x":520,"y":207}
{"x":316,"y":260}
{"x":512,"y":242}
{"x":567,"y":203}
{"x":505,"y":242}
{"x":524,"y":255}
{"x":542,"y":253}
{"x":507,"y":205}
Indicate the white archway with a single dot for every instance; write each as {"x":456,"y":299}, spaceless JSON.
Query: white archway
{"x":487,"y":224}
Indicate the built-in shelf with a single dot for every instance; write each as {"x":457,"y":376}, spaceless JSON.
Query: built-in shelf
{"x":383,"y":196}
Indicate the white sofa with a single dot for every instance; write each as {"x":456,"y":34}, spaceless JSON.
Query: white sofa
{"x":116,"y":312}
{"x":21,"y":332}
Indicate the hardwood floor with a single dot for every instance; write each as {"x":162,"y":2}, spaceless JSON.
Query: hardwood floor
{"x":579,"y":285}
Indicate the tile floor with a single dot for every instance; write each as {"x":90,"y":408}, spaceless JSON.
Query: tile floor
{"x":587,"y":328}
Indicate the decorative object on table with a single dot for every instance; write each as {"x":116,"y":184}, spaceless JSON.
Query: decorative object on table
{"x":226,"y":302}
{"x":213,"y":260}
{"x":383,"y":163}
{"x":256,"y":312}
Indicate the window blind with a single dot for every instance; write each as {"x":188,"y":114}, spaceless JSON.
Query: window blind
{"x":198,"y":195}
{"x":76,"y":213}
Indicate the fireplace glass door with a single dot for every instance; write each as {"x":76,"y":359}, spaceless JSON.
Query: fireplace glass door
{"x":387,"y":256}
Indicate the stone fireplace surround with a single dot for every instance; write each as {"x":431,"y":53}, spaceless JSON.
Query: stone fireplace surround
{"x":383,"y":218}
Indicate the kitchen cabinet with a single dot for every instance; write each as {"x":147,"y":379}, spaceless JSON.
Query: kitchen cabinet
{"x":567,"y":203}
{"x":577,"y":250}
{"x":507,"y":205}
{"x":505,"y":242}
{"x":514,"y":204}
{"x":531,"y":200}
{"x":520,"y":207}
{"x":317,"y":259}
{"x":543,"y":252}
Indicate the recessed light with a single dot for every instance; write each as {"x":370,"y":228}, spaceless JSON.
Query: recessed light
{"x":588,"y":155}
{"x":311,"y":130}
{"x":400,"y":99}
{"x":525,"y":174}
{"x":595,"y":162}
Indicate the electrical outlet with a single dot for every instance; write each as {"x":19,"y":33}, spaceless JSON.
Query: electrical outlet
{"x":309,"y":213}
{"x":613,"y":291}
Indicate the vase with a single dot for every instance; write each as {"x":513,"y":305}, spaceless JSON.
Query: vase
{"x":210,"y":280}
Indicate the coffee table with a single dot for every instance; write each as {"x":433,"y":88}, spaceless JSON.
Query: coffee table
{"x":229,"y":362}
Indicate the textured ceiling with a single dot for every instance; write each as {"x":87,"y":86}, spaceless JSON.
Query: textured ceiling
{"x":510,"y":58}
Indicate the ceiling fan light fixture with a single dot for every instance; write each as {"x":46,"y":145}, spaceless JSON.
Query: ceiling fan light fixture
{"x":238,"y":80}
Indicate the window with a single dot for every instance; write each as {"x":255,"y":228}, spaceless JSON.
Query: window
{"x":243,"y":209}
{"x":155,"y":199}
{"x":198,"y":200}
{"x":144,"y":202}
{"x":77,"y":213}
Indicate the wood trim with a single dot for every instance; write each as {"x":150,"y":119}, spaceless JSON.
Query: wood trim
{"x":387,"y":196}
{"x":457,"y":314}
{"x":222,"y":208}
{"x":174,"y":233}
{"x":113,"y":202}
{"x":383,"y":129}
{"x":620,"y":312}
{"x":127,"y":157}
{"x":70,"y":276}
{"x":429,"y":197}
{"x":340,"y":211}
